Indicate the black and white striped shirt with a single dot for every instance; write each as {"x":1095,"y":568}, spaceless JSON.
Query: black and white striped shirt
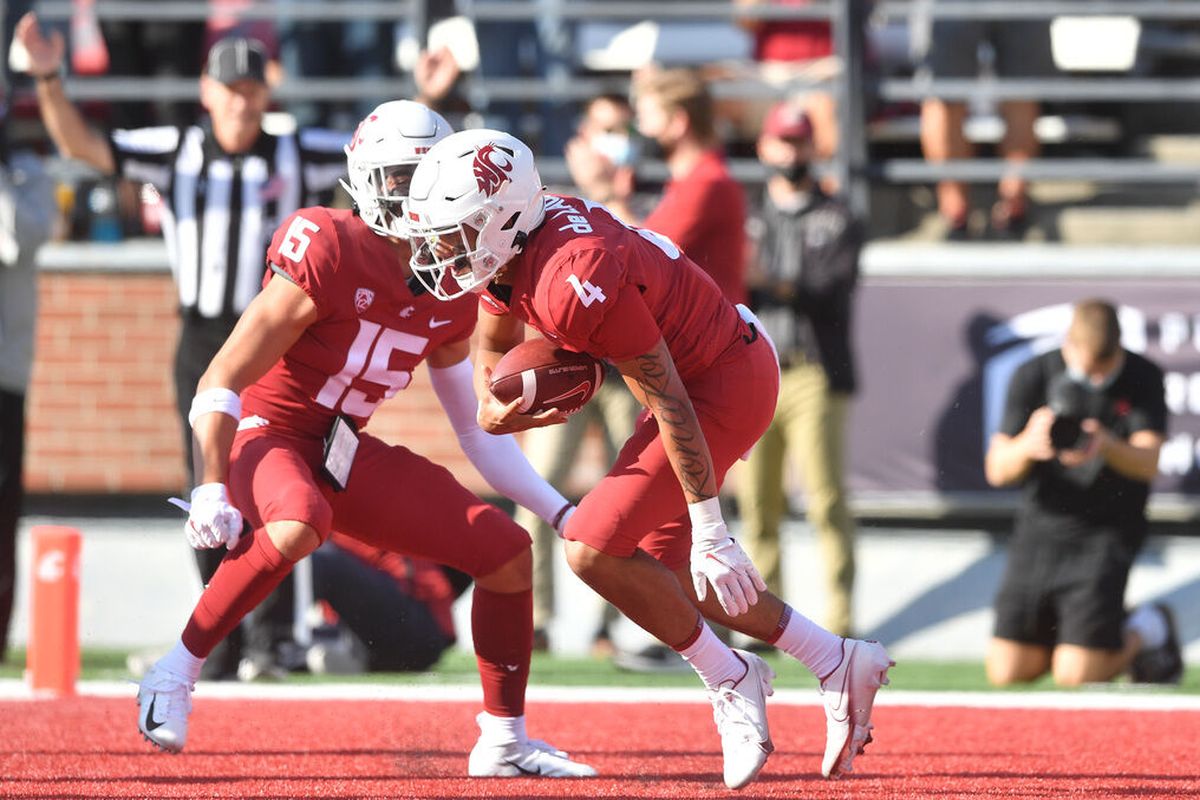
{"x":220,"y":210}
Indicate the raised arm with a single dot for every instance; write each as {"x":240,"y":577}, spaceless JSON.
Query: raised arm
{"x":71,"y":134}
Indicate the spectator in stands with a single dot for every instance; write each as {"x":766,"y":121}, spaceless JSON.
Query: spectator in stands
{"x":802,"y":284}
{"x":350,"y":48}
{"x":27,"y":215}
{"x":791,"y":49}
{"x":393,"y":610}
{"x":534,"y":49}
{"x":153,"y":48}
{"x":603,"y":154}
{"x":604,"y":131}
{"x":1081,"y":433}
{"x":1021,"y":50}
{"x":703,"y":209}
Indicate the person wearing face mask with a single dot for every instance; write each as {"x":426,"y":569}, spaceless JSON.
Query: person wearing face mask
{"x":1082,"y":518}
{"x":602,"y":155}
{"x":702,"y":209}
{"x":802,"y":281}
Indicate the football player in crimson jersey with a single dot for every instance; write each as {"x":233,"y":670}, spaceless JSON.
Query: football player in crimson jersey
{"x":650,"y":536}
{"x":335,"y":331}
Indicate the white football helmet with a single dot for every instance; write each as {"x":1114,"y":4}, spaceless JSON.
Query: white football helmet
{"x":473,"y":202}
{"x":382,"y":156}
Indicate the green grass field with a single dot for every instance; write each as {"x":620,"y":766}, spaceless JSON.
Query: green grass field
{"x":458,"y":667}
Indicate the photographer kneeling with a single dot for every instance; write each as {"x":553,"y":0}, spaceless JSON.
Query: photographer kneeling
{"x":1081,"y":433}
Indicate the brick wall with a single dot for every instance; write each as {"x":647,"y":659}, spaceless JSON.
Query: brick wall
{"x":101,"y":411}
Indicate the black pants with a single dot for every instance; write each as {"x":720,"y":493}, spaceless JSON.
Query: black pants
{"x":12,"y":457}
{"x":399,"y":631}
{"x":270,"y":623}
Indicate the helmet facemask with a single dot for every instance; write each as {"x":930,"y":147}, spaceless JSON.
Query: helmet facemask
{"x":453,"y":260}
{"x":381,"y":157}
{"x":475,"y":199}
{"x":379,"y":191}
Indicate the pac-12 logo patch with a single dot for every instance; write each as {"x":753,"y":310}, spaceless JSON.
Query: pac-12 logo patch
{"x":363,"y":299}
{"x":491,"y":168}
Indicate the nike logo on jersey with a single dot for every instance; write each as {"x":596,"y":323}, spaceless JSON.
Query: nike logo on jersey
{"x":153,"y":724}
{"x":512,"y":667}
{"x":437,"y":323}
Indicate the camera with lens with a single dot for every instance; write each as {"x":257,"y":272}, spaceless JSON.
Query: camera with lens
{"x":1072,"y":403}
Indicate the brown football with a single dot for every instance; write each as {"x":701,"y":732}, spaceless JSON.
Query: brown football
{"x":546,"y":376}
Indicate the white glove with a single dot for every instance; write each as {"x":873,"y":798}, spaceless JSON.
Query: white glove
{"x":718,"y":560}
{"x":212,"y":521}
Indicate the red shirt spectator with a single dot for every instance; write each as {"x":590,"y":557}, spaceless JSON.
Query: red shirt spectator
{"x":792,"y":40}
{"x":705,"y":214}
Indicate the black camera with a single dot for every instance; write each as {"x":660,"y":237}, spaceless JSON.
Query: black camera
{"x":1072,"y":403}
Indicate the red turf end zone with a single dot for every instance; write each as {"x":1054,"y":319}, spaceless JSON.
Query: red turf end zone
{"x":89,"y":747}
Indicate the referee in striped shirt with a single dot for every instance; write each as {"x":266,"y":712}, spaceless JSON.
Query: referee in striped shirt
{"x":226,"y":185}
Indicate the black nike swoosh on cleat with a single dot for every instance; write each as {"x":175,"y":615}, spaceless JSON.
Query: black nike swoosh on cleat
{"x":522,"y":770}
{"x":151,"y":724}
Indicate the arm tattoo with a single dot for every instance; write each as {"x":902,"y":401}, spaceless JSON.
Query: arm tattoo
{"x":678,"y":421}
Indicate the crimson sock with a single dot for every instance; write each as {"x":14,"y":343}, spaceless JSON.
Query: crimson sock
{"x":502,"y":627}
{"x":244,"y":579}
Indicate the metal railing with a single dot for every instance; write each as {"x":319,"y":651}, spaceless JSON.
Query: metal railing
{"x":850,"y":85}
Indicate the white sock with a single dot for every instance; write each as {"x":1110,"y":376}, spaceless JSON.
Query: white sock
{"x":1149,"y":624}
{"x":180,"y":661}
{"x":809,"y":643}
{"x":712,"y":659}
{"x":501,"y":730}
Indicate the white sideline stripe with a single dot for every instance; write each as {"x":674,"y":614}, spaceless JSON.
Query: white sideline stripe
{"x":1132,"y":700}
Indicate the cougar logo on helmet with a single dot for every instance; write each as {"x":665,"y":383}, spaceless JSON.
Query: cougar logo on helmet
{"x":491,"y":168}
{"x":476,"y":198}
{"x":357,"y":139}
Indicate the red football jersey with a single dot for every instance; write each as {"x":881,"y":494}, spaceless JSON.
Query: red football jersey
{"x":371,"y":332}
{"x":593,"y":284}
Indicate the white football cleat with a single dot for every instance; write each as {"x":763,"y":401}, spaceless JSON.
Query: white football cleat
{"x":530,"y":758}
{"x":849,"y":693}
{"x":164,"y":702}
{"x":740,"y":712}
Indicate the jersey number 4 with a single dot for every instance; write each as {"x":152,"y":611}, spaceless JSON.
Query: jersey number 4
{"x":588,"y":292}
{"x":379,"y":343}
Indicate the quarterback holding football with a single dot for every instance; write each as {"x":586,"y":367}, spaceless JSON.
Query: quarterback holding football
{"x":650,"y":537}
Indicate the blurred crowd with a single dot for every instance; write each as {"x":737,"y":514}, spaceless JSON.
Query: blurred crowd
{"x":514,"y":75}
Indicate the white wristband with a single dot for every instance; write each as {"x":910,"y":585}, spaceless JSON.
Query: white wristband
{"x":707,"y":519}
{"x":224,"y":401}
